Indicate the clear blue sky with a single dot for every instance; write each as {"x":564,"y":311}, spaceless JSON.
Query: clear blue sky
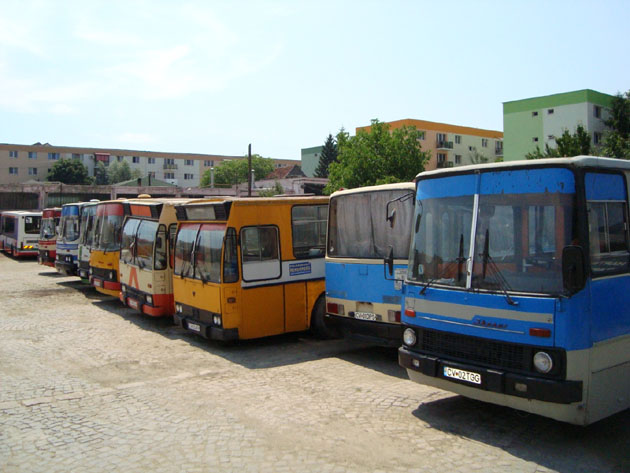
{"x":213,"y":76}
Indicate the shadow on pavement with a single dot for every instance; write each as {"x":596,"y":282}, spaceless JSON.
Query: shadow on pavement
{"x":268,"y":352}
{"x":562,"y":447}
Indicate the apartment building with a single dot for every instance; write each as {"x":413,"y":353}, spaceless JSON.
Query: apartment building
{"x":453,"y":145}
{"x":537,"y":121}
{"x":22,"y":163}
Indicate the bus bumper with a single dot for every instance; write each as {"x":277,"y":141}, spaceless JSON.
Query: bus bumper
{"x":380,"y":333}
{"x":497,"y":381}
{"x":206,"y":330}
{"x":47,"y":258}
{"x":161,"y":304}
{"x":68,"y":269}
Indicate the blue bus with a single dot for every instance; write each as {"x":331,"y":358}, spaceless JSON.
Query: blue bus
{"x":518,"y":286}
{"x":366,"y":226}
{"x":68,"y":240}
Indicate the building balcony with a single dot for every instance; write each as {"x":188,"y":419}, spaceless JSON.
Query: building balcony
{"x":444,"y":145}
{"x":498,"y":151}
{"x":169,"y":166}
{"x":445,"y":164}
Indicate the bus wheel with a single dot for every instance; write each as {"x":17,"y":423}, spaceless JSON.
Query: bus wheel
{"x":319,"y":326}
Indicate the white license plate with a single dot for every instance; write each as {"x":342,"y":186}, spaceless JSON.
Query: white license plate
{"x":365,"y":316}
{"x":97,"y":283}
{"x":133,"y":303}
{"x":462,"y":375}
{"x":194,"y":327}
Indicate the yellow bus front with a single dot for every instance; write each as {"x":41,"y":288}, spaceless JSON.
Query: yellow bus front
{"x":104,"y":269}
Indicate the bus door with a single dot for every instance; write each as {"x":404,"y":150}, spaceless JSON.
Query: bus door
{"x":262,"y":309}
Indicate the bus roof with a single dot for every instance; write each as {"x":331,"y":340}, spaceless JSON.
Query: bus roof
{"x":577,"y":161}
{"x":382,"y":187}
{"x":22,"y":213}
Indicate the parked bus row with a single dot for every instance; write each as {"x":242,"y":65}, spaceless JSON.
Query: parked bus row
{"x":504,"y":282}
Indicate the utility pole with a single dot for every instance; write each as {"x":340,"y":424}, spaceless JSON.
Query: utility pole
{"x":249,"y":172}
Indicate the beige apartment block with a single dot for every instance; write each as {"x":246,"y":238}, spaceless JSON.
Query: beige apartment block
{"x":454,"y":145}
{"x":22,"y":163}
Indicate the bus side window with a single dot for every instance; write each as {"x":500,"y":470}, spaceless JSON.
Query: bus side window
{"x":230,"y":257}
{"x":172,"y":233}
{"x":259,"y":246}
{"x":160,"y":249}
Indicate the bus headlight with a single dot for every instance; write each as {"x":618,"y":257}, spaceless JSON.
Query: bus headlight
{"x":543,"y":362}
{"x":409,"y":337}
{"x":216,"y":319}
{"x":150,"y":300}
{"x":111,"y":275}
{"x":178,"y":308}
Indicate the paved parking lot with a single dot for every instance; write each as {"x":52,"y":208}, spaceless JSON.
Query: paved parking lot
{"x":86,"y":385}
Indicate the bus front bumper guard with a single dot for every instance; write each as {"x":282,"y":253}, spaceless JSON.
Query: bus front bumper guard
{"x":206,"y":330}
{"x":529,"y":387}
{"x":69,"y":269}
{"x":382,"y":333}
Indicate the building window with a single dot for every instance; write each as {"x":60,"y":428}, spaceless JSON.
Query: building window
{"x":597,"y":111}
{"x":151,"y":160}
{"x":208,"y":163}
{"x":169,"y":175}
{"x":550,"y":111}
{"x":53,"y":156}
{"x":422,"y":135}
{"x":32,"y":171}
{"x":441,"y":137}
{"x":534,"y":114}
{"x":458,"y":159}
{"x":484,"y":142}
{"x":188,"y":162}
{"x":135,"y":159}
{"x":13,"y":170}
{"x":535,"y":139}
{"x":188,"y":177}
{"x":441,"y":158}
{"x":471,"y":148}
{"x":32,"y":155}
{"x":458,"y":139}
{"x":151,"y":173}
{"x":551,"y":137}
{"x":13,"y":154}
{"x":597,"y":138}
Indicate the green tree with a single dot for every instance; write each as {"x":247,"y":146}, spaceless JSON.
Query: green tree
{"x":476,"y":157}
{"x":101,"y":178}
{"x":567,"y":145}
{"x":329,"y":155}
{"x":69,"y":171}
{"x":235,"y":171}
{"x":617,"y":138}
{"x":119,"y":172}
{"x":377,"y":156}
{"x":277,"y":189}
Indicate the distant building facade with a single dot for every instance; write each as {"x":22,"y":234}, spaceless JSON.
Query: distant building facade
{"x":538,"y":121}
{"x":22,"y":163}
{"x":453,"y":145}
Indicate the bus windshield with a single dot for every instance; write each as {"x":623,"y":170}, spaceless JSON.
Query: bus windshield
{"x":32,"y":225}
{"x":198,"y":251}
{"x":513,"y":225}
{"x":47,"y":231}
{"x":87,"y":225}
{"x":138,"y":244}
{"x":70,"y":230}
{"x":358,"y":227}
{"x":108,"y":227}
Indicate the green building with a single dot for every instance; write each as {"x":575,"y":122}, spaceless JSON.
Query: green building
{"x":310,"y":160}
{"x":538,"y":121}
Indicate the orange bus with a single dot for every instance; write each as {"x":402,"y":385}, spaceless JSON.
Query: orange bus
{"x":48,"y":233}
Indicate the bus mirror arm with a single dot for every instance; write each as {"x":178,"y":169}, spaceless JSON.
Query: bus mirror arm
{"x":573,"y":274}
{"x":388,"y":262}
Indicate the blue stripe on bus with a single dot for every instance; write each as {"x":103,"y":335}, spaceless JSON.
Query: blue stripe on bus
{"x":69,"y":210}
{"x":603,"y":186}
{"x":361,"y":282}
{"x":528,"y":181}
{"x":454,"y":186}
{"x":67,"y":246}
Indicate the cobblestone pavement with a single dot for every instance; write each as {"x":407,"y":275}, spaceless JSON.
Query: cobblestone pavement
{"x":87,"y":385}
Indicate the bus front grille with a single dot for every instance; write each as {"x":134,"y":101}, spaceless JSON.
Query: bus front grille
{"x":490,"y":353}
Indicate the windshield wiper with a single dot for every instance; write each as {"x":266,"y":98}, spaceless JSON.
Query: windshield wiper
{"x":459,"y":261}
{"x":504,"y":286}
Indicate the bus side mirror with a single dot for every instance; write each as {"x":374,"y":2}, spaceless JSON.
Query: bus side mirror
{"x":389,"y":261}
{"x":573,"y":274}
{"x":391,"y":218}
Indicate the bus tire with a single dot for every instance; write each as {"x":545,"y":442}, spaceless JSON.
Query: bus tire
{"x":319,"y":325}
